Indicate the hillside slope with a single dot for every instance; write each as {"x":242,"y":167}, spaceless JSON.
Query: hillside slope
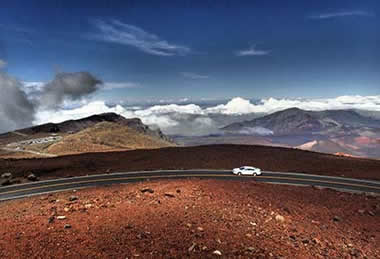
{"x":97,"y":133}
{"x":106,"y":136}
{"x":201,"y":157}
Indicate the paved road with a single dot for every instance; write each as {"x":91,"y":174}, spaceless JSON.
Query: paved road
{"x":29,"y":189}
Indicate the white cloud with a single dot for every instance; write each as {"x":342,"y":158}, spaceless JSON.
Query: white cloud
{"x":126,"y":34}
{"x":241,"y":106}
{"x":56,"y":116}
{"x":2,"y":63}
{"x":252,"y":51}
{"x":191,"y":119}
{"x":148,"y":117}
{"x":256,"y":131}
{"x":237,"y":105}
{"x":341,"y":14}
{"x":193,"y":75}
{"x":171,"y":108}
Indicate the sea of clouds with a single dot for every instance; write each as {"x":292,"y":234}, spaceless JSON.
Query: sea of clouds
{"x":196,"y":120}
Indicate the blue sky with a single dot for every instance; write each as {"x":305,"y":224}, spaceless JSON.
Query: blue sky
{"x":209,"y":49}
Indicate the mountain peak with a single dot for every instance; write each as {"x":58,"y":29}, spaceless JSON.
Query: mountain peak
{"x":298,"y":121}
{"x":292,"y":109}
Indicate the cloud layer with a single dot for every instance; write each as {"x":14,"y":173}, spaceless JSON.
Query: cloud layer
{"x":192,"y":119}
{"x":126,"y":34}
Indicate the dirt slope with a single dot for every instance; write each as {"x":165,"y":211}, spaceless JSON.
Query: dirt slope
{"x":207,"y":157}
{"x":97,"y":133}
{"x":105,"y":136}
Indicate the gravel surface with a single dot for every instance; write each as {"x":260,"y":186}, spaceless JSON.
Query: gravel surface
{"x":192,"y":218}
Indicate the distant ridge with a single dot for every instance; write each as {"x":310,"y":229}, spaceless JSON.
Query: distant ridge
{"x":298,"y":121}
{"x":332,"y":131}
{"x":96,"y":133}
{"x":74,"y":126}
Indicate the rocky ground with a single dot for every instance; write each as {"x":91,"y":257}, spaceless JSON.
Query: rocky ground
{"x":202,"y":157}
{"x":192,"y":218}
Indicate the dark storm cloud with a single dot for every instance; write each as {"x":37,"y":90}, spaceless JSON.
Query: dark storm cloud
{"x":16,"y":111}
{"x":71,"y":86}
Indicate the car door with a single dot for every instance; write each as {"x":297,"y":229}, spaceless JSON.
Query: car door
{"x":247,"y":171}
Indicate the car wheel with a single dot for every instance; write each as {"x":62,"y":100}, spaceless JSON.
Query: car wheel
{"x":254,"y":174}
{"x":239,"y":174}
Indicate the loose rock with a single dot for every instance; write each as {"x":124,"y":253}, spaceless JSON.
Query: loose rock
{"x":191,"y":248}
{"x":361,"y":212}
{"x":73,"y":198}
{"x":88,"y":205}
{"x":337,"y":219}
{"x":6,"y":175}
{"x":32,"y":177}
{"x":67,"y":226}
{"x":144,"y":190}
{"x":251,"y":249}
{"x":6,"y":182}
{"x":51,"y":219}
{"x":280,"y":218}
{"x":61,"y":217}
{"x":169,"y":194}
{"x":316,"y":241}
{"x":217,"y":252}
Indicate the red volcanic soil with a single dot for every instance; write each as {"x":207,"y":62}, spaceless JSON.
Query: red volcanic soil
{"x":192,"y":218}
{"x":202,"y":157}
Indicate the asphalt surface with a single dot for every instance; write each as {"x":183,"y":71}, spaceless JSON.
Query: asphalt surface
{"x":42,"y":187}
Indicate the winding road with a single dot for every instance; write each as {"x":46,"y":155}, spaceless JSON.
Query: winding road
{"x":43,"y":187}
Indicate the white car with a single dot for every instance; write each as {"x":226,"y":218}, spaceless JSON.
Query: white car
{"x":247,"y":170}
